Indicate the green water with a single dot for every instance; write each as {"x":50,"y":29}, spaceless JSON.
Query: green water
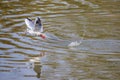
{"x":93,"y":23}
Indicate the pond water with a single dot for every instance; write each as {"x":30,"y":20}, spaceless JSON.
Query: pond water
{"x":88,"y":47}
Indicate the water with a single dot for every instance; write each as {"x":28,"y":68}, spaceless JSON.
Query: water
{"x":94,"y":24}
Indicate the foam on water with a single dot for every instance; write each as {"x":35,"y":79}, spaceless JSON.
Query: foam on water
{"x":74,"y":44}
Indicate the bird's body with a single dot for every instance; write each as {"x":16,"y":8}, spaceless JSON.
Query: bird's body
{"x":35,"y":28}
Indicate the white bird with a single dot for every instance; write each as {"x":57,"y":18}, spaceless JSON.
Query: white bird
{"x":35,"y":28}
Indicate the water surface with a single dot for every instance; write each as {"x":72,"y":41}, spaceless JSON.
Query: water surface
{"x":92,"y":23}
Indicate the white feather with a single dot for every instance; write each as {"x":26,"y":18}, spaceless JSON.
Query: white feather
{"x":29,"y":24}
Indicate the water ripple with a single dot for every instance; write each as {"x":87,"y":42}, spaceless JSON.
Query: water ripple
{"x":93,"y":23}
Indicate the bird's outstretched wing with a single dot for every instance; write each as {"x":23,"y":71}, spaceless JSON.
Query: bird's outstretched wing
{"x":29,"y":24}
{"x":38,"y":25}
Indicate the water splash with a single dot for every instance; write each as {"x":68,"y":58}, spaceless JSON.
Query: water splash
{"x":75,"y":43}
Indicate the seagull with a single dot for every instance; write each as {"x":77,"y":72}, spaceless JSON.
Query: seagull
{"x":35,"y":27}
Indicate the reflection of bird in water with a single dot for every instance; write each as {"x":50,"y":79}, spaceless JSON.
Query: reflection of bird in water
{"x":37,"y":68}
{"x":35,"y":63}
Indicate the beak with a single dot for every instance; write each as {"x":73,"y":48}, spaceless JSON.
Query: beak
{"x":42,"y":36}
